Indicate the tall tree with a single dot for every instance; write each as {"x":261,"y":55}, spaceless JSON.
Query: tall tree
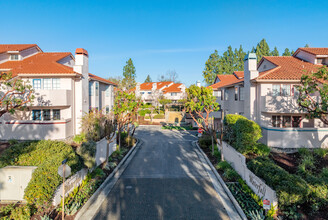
{"x":16,"y":94}
{"x":148,"y":79}
{"x":275,"y":52}
{"x":262,"y":49}
{"x":314,"y":83}
{"x":117,"y":80}
{"x":173,"y":76}
{"x":306,"y":45}
{"x":286,"y":52}
{"x":211,"y":67}
{"x":129,"y":74}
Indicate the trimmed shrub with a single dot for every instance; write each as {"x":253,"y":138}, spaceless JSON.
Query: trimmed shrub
{"x":223,"y":165}
{"x":231,"y":175}
{"x":47,"y":156}
{"x":160,"y":116}
{"x":22,"y":212}
{"x":261,"y":150}
{"x":80,"y":138}
{"x":247,"y":134}
{"x":291,"y":189}
{"x":87,"y":151}
{"x":229,"y":122}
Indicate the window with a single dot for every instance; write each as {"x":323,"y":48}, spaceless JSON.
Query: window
{"x":296,"y":121}
{"x":275,"y":90}
{"x":91,"y":91}
{"x":241,"y":94}
{"x":216,"y":93}
{"x":319,"y":61}
{"x":36,"y":83}
{"x":14,"y":57}
{"x":97,"y":88}
{"x":295,"y":91}
{"x":276,"y":121}
{"x":141,"y":93}
{"x":47,"y":83}
{"x":285,"y":90}
{"x":46,"y":115}
{"x":107,"y":109}
{"x":222,"y":94}
{"x":149,"y":92}
{"x":174,"y":94}
{"x":55,"y":83}
{"x":286,"y":122}
{"x":56,"y":114}
{"x":36,"y":115}
{"x":226,"y":97}
{"x":236,"y":93}
{"x":107,"y":91}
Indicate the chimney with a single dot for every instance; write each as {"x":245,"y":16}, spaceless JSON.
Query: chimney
{"x":198,"y":83}
{"x":154,"y":86}
{"x":250,"y":73}
{"x":81,"y":87}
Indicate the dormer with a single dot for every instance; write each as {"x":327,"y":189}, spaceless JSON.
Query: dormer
{"x":314,"y":55}
{"x":17,"y":52}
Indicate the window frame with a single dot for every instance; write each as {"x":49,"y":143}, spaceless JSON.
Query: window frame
{"x":91,"y":89}
{"x":107,"y":91}
{"x":39,"y":116}
{"x":236,"y":93}
{"x":241,"y":94}
{"x":11,"y":57}
{"x":44,"y":116}
{"x":55,"y":114}
{"x":46,"y":83}
{"x":56,"y":83}
{"x":278,"y":91}
{"x":37,"y":80}
{"x":283,"y":89}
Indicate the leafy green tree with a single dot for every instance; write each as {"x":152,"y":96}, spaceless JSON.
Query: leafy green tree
{"x":201,"y":103}
{"x":148,"y":79}
{"x":16,"y":94}
{"x":286,"y":52}
{"x":275,"y":52}
{"x":211,"y":67}
{"x":164,"y":102}
{"x":262,"y":49}
{"x":306,"y":45}
{"x":314,"y":83}
{"x":129,"y":74}
{"x":125,"y":111}
{"x":293,"y":52}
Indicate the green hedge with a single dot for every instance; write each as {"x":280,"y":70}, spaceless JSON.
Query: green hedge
{"x":291,"y":189}
{"x":159,"y":116}
{"x":47,"y":156}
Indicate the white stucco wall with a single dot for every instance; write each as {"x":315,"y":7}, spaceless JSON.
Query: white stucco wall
{"x":265,"y":65}
{"x":306,"y":56}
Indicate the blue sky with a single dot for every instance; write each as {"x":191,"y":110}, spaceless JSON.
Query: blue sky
{"x":161,"y":35}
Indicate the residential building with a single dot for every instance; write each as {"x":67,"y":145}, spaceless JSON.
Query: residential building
{"x":152,"y":91}
{"x":266,"y":93}
{"x":63,"y":87}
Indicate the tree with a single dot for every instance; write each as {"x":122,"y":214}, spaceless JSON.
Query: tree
{"x":200,"y":103}
{"x":211,"y":68}
{"x":110,"y":125}
{"x":314,"y":83}
{"x":170,"y":76}
{"x":164,"y":102}
{"x":148,"y":79}
{"x":117,"y":80}
{"x":125,"y":111}
{"x":286,"y":52}
{"x":306,"y":45}
{"x":15,"y":94}
{"x":129,"y":74}
{"x":275,"y":52}
{"x":262,"y":49}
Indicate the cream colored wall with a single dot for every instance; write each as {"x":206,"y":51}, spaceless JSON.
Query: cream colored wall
{"x":306,"y":56}
{"x":265,"y":65}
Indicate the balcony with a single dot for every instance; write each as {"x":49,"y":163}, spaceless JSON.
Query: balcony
{"x":279,"y":104}
{"x":59,"y":97}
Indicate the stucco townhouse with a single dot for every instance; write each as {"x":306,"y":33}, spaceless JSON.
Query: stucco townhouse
{"x":63,"y":87}
{"x":152,"y":91}
{"x":266,"y":93}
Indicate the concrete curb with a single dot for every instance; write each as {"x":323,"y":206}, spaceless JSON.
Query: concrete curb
{"x":225,"y":188}
{"x":93,"y":204}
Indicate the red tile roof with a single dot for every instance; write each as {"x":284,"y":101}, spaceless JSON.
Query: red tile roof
{"x":173,"y":88}
{"x":97,"y":78}
{"x":15,"y":47}
{"x":39,"y":63}
{"x":287,"y":68}
{"x":226,"y":80}
{"x":162,"y":84}
{"x":81,"y":51}
{"x":315,"y":50}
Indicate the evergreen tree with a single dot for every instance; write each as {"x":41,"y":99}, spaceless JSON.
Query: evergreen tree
{"x":211,"y":67}
{"x":262,"y":49}
{"x":148,"y":79}
{"x":293,"y":52}
{"x":286,"y":52}
{"x":306,"y":45}
{"x":275,"y":52}
{"x":129,"y":74}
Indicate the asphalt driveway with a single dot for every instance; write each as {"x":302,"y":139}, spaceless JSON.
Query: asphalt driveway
{"x":165,"y":180}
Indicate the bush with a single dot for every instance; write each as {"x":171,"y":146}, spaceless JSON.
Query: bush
{"x":205,"y":141}
{"x":22,"y":212}
{"x":223,"y":165}
{"x":160,"y":116}
{"x":291,"y":189}
{"x":6,"y":210}
{"x":47,"y":156}
{"x":321,"y":152}
{"x":80,"y":138}
{"x":304,"y":152}
{"x":87,"y":151}
{"x":261,"y":150}
{"x":247,"y":134}
{"x":229,"y":122}
{"x":93,"y":125}
{"x":231,"y":175}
